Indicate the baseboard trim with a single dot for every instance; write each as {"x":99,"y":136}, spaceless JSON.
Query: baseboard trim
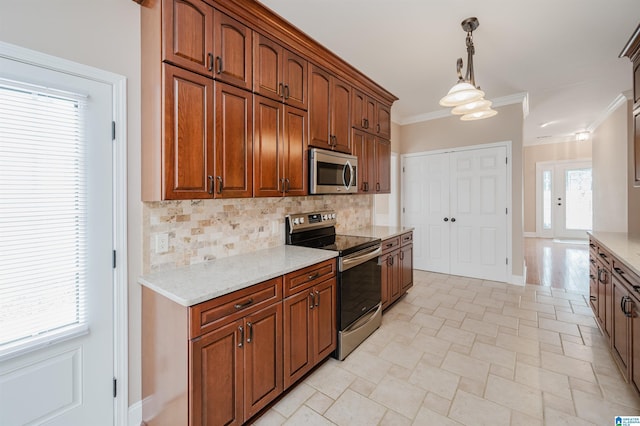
{"x":530,"y":235}
{"x":135,"y":414}
{"x":520,"y":280}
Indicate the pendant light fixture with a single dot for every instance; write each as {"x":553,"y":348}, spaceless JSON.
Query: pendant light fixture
{"x":467,"y":98}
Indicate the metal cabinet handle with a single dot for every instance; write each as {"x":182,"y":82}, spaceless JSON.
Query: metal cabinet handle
{"x":286,"y":91}
{"x":591,"y":276}
{"x":378,"y":128}
{"x":243,"y":304}
{"x":593,"y":262}
{"x":312,"y":300}
{"x":446,"y":219}
{"x":317,"y":298}
{"x":287,"y":185}
{"x":250,"y":329}
{"x":401,"y":255}
{"x":378,"y":187}
{"x":618,"y":270}
{"x":592,"y":245}
{"x":210,"y":56}
{"x":593,"y":298}
{"x":602,"y":255}
{"x":241,"y":340}
{"x":281,"y":89}
{"x":219,"y":62}
{"x":210,"y":191}
{"x":219,"y":179}
{"x":313,"y":277}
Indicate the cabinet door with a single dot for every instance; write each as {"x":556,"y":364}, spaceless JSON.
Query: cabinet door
{"x":294,"y":150}
{"x":324,"y":316}
{"x":636,"y":146}
{"x":593,"y":288}
{"x":267,"y":67}
{"x":623,"y":305}
{"x":386,"y":279}
{"x":188,"y":134}
{"x":358,"y":110}
{"x":233,"y":143}
{"x":295,"y":81}
{"x":406,"y":268}
{"x":340,"y":115}
{"x":383,"y":128}
{"x":232,"y":51}
{"x":298,"y":355}
{"x":217,"y":377}
{"x":267,"y":148}
{"x":394,"y":275}
{"x":262,"y":359}
{"x":635,"y":342}
{"x":187,"y":31}
{"x":319,"y":108}
{"x":363,"y":147}
{"x":383,"y":166}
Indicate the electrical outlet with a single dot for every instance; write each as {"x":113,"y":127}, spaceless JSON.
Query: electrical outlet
{"x":162,"y":243}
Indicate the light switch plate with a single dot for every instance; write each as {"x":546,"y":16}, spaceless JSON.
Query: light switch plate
{"x":162,"y":243}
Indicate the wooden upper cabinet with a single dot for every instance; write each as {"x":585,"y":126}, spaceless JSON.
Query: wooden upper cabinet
{"x":187,"y":28}
{"x":188,"y":134}
{"x":363,"y":148}
{"x":329,"y":111}
{"x":232,"y":51}
{"x":279,"y":149}
{"x":278,"y":73}
{"x":233,"y":171}
{"x":363,"y":111}
{"x":383,"y":116}
{"x":383,"y":166}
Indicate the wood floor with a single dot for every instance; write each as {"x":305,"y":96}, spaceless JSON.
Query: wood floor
{"x":557,"y":265}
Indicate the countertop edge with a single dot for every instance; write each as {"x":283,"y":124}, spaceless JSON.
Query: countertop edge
{"x":378,"y":231}
{"x":602,"y":237}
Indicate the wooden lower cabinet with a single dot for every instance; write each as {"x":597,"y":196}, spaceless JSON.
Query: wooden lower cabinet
{"x":397,"y":267}
{"x":620,"y":338}
{"x":310,"y":329}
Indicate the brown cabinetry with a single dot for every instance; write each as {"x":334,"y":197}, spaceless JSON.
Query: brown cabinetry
{"x":397,"y":267}
{"x":374,"y":162}
{"x":232,"y":51}
{"x":632,"y":51}
{"x":310,"y":314}
{"x":279,"y":149}
{"x":278,"y":73}
{"x":622,"y":310}
{"x":329,"y":109}
{"x":370,"y":115}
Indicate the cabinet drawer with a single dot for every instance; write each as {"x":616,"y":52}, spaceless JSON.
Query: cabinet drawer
{"x":593,"y":247}
{"x":209,"y":315}
{"x":406,"y":238}
{"x":626,"y":275}
{"x":308,"y":277}
{"x":604,"y":256}
{"x":390,"y":244}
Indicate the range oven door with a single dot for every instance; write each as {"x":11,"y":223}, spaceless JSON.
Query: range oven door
{"x":359,"y":283}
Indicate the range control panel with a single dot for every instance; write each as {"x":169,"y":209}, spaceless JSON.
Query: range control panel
{"x":304,"y":221}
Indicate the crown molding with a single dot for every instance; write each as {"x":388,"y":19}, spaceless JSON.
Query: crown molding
{"x":516,"y":98}
{"x":620,"y":100}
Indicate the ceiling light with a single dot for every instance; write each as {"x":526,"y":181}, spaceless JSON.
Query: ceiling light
{"x":465,"y":96}
{"x":582,"y":136}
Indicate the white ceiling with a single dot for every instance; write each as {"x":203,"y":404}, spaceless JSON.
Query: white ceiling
{"x":563,"y":53}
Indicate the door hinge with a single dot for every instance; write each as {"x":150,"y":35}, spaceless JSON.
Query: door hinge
{"x":114,"y":259}
{"x":506,"y":160}
{"x":115,"y":387}
{"x":402,"y":169}
{"x":113,"y":130}
{"x":507,"y":260}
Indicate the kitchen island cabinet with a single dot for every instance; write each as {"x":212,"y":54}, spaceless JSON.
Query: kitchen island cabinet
{"x":618,"y":260}
{"x":214,"y":351}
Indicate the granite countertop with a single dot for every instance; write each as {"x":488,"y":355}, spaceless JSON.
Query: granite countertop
{"x":382,"y":232}
{"x":625,"y":247}
{"x":198,"y":283}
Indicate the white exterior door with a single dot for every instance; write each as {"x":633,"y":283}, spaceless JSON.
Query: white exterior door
{"x":456,"y":201}
{"x":65,"y":376}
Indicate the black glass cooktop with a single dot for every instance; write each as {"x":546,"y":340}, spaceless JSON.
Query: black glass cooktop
{"x":346,"y":244}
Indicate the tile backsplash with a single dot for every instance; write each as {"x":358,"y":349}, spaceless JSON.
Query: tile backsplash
{"x":202,"y":230}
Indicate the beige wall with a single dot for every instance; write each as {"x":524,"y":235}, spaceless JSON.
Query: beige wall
{"x":610,"y":145}
{"x":450,"y":132}
{"x":633,"y":192}
{"x":103,"y":34}
{"x":547,"y":152}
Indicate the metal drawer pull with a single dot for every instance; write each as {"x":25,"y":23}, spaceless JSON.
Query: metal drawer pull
{"x":219,"y":179}
{"x":210,"y":184}
{"x":593,"y":298}
{"x":250,"y":328}
{"x":312,"y":300}
{"x":618,"y":270}
{"x":243,"y":305}
{"x":317,"y":298}
{"x":313,"y":277}
{"x":241,"y":340}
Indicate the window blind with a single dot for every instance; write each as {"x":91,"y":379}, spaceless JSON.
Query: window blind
{"x":43,"y":217}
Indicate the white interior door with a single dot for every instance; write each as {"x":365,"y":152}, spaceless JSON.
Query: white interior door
{"x":457,"y":202}
{"x":64,"y":375}
{"x":478,"y":220}
{"x":564,"y":199}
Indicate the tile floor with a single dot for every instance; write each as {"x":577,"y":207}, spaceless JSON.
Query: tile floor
{"x":457,"y":351}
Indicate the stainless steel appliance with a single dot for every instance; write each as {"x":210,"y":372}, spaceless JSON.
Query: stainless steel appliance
{"x":332,"y":172}
{"x":359,"y":274}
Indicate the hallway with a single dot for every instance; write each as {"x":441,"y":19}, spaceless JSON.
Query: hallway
{"x":558,"y":265}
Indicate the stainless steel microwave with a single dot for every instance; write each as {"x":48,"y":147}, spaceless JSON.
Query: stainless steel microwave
{"x":332,"y":172}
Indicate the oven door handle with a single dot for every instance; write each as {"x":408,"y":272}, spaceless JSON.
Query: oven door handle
{"x":359,"y":258}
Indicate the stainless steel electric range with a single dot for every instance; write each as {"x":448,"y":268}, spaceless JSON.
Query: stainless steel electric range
{"x":359,"y":274}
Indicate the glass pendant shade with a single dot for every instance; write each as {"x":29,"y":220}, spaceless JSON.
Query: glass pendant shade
{"x":461,"y":93}
{"x":479,"y":115}
{"x":471,"y":107}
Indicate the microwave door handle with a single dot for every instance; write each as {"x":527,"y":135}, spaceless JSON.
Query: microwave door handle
{"x":347,"y":165}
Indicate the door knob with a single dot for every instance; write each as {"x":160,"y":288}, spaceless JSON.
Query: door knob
{"x":453,"y":219}
{"x":446,"y":219}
